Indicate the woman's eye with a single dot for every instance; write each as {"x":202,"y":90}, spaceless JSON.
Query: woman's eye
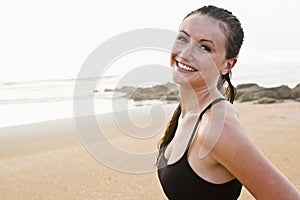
{"x":182,"y":39}
{"x":206,"y":48}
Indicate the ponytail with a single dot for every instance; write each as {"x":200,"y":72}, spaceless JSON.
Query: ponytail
{"x":171,"y":129}
{"x":172,"y":126}
{"x":234,"y":33}
{"x":230,"y":90}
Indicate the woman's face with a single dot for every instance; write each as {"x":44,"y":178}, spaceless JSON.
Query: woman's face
{"x":198,"y":54}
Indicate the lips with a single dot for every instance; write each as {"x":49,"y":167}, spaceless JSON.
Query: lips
{"x":185,"y":67}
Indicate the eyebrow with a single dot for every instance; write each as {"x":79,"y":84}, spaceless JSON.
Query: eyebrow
{"x":201,"y":40}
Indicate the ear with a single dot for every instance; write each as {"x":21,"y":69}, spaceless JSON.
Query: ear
{"x":229,"y":64}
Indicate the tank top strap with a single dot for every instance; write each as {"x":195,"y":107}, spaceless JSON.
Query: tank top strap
{"x":199,"y":119}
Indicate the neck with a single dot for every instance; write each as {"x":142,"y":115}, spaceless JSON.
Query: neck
{"x":195,"y":100}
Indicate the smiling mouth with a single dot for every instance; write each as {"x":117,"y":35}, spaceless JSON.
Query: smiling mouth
{"x":185,"y":67}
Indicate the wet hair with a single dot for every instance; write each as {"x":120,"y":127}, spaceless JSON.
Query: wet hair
{"x":234,"y":33}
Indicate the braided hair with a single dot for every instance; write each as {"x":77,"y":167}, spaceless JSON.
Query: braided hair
{"x":234,"y":33}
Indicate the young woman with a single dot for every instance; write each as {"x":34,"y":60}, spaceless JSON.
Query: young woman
{"x":205,"y":153}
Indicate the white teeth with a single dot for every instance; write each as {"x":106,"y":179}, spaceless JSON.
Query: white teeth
{"x":187,"y":68}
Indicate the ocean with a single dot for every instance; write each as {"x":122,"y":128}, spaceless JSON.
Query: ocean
{"x":24,"y":102}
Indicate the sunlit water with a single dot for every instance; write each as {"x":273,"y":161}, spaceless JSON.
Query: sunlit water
{"x":33,"y":101}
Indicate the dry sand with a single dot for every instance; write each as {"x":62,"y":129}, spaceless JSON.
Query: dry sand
{"x":48,"y":161}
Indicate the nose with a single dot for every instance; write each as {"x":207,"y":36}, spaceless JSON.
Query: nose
{"x":186,"y":53}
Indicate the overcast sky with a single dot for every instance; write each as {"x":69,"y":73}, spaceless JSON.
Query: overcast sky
{"x":51,"y":39}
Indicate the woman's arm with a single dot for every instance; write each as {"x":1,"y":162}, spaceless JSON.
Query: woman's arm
{"x":235,"y":151}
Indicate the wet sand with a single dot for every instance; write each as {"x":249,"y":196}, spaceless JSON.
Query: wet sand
{"x":47,"y":160}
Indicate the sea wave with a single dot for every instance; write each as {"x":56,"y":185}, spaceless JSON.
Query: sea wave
{"x":49,"y":90}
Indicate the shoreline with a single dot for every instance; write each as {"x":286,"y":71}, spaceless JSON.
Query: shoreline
{"x":135,"y":96}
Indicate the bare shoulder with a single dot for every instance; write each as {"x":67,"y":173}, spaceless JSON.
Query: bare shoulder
{"x":219,"y":123}
{"x":225,"y":116}
{"x":232,"y":131}
{"x":239,"y":155}
{"x":232,"y":124}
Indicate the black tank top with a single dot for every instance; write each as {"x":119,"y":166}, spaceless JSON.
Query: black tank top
{"x":180,"y":182}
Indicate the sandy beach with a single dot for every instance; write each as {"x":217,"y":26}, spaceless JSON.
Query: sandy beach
{"x":47,"y":160}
